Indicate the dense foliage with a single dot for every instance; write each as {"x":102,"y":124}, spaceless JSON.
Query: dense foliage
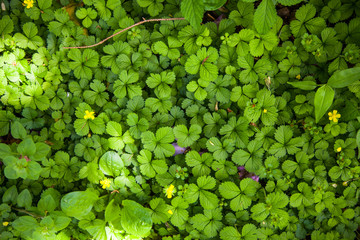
{"x":240,"y":122}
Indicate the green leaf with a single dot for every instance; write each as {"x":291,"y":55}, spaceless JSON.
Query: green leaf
{"x":114,"y":129}
{"x":151,"y":167}
{"x":200,"y":164}
{"x":212,"y":5}
{"x":25,"y":223}
{"x":135,"y":219}
{"x":60,"y":220}
{"x":180,"y":215}
{"x":31,"y":39}
{"x":193,"y":11}
{"x":358,"y":141}
{"x":304,"y":198}
{"x":10,"y":195}
{"x":229,"y":190}
{"x":289,"y":2}
{"x":47,"y":204}
{"x":160,"y":210}
{"x":304,"y":85}
{"x":203,"y":62}
{"x":18,"y":131}
{"x":112,"y":211}
{"x":187,"y":137}
{"x":81,"y":127}
{"x":111,"y":164}
{"x":324,"y":97}
{"x":344,"y":78}
{"x":220,"y":150}
{"x":230,"y":233}
{"x":265,"y":16}
{"x":44,"y":4}
{"x":81,"y":13}
{"x":241,"y":199}
{"x":24,"y":199}
{"x":78,"y":204}
{"x":161,"y":144}
{"x":97,"y":125}
{"x":206,"y":182}
{"x":6,"y":25}
{"x":209,"y":222}
{"x":27,"y":147}
{"x":208,"y":200}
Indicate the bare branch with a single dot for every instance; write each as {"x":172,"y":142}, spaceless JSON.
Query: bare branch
{"x":125,"y":29}
{"x":29,"y":213}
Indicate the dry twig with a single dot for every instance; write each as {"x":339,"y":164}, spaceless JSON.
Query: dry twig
{"x":125,"y":29}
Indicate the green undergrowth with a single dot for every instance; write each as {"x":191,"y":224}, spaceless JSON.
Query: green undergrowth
{"x":240,"y":121}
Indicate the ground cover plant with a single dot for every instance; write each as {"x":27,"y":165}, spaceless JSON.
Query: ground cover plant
{"x":207,"y":119}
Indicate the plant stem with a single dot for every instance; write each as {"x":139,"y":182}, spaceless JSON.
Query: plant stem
{"x":125,"y":29}
{"x":29,"y":213}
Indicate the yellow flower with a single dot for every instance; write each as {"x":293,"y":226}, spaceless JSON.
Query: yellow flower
{"x":105,"y":183}
{"x":298,"y":76}
{"x":5,"y":224}
{"x":333,"y":116}
{"x":89,"y":115}
{"x":28,"y":3}
{"x":170,"y":191}
{"x":265,"y":110}
{"x":338,"y":149}
{"x":170,"y":212}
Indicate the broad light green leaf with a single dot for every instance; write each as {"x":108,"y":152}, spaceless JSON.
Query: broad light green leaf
{"x":25,"y":223}
{"x":159,"y":210}
{"x":289,"y":2}
{"x":304,"y":85}
{"x":47,"y":204}
{"x":135,"y":219}
{"x":230,"y":233}
{"x":114,"y":129}
{"x":27,"y":147}
{"x":112,"y":211}
{"x":193,"y":11}
{"x":344,"y":78}
{"x":187,"y":137}
{"x":265,"y":16}
{"x":212,"y":5}
{"x":150,"y":167}
{"x":111,"y":164}
{"x":6,"y":25}
{"x":17,"y":130}
{"x":24,"y":199}
{"x":78,"y":204}
{"x":324,"y":97}
{"x":96,"y":228}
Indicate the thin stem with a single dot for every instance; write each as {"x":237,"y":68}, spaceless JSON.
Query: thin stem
{"x":29,"y":213}
{"x":125,"y":29}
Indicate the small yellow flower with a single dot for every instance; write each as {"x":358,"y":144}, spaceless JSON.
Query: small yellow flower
{"x":170,"y":191}
{"x":170,"y":212}
{"x":333,"y":116}
{"x":338,"y":149}
{"x":28,"y":3}
{"x":298,"y":76}
{"x":105,"y":183}
{"x":265,"y":110}
{"x":5,"y":224}
{"x":89,"y":115}
{"x":89,"y":135}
